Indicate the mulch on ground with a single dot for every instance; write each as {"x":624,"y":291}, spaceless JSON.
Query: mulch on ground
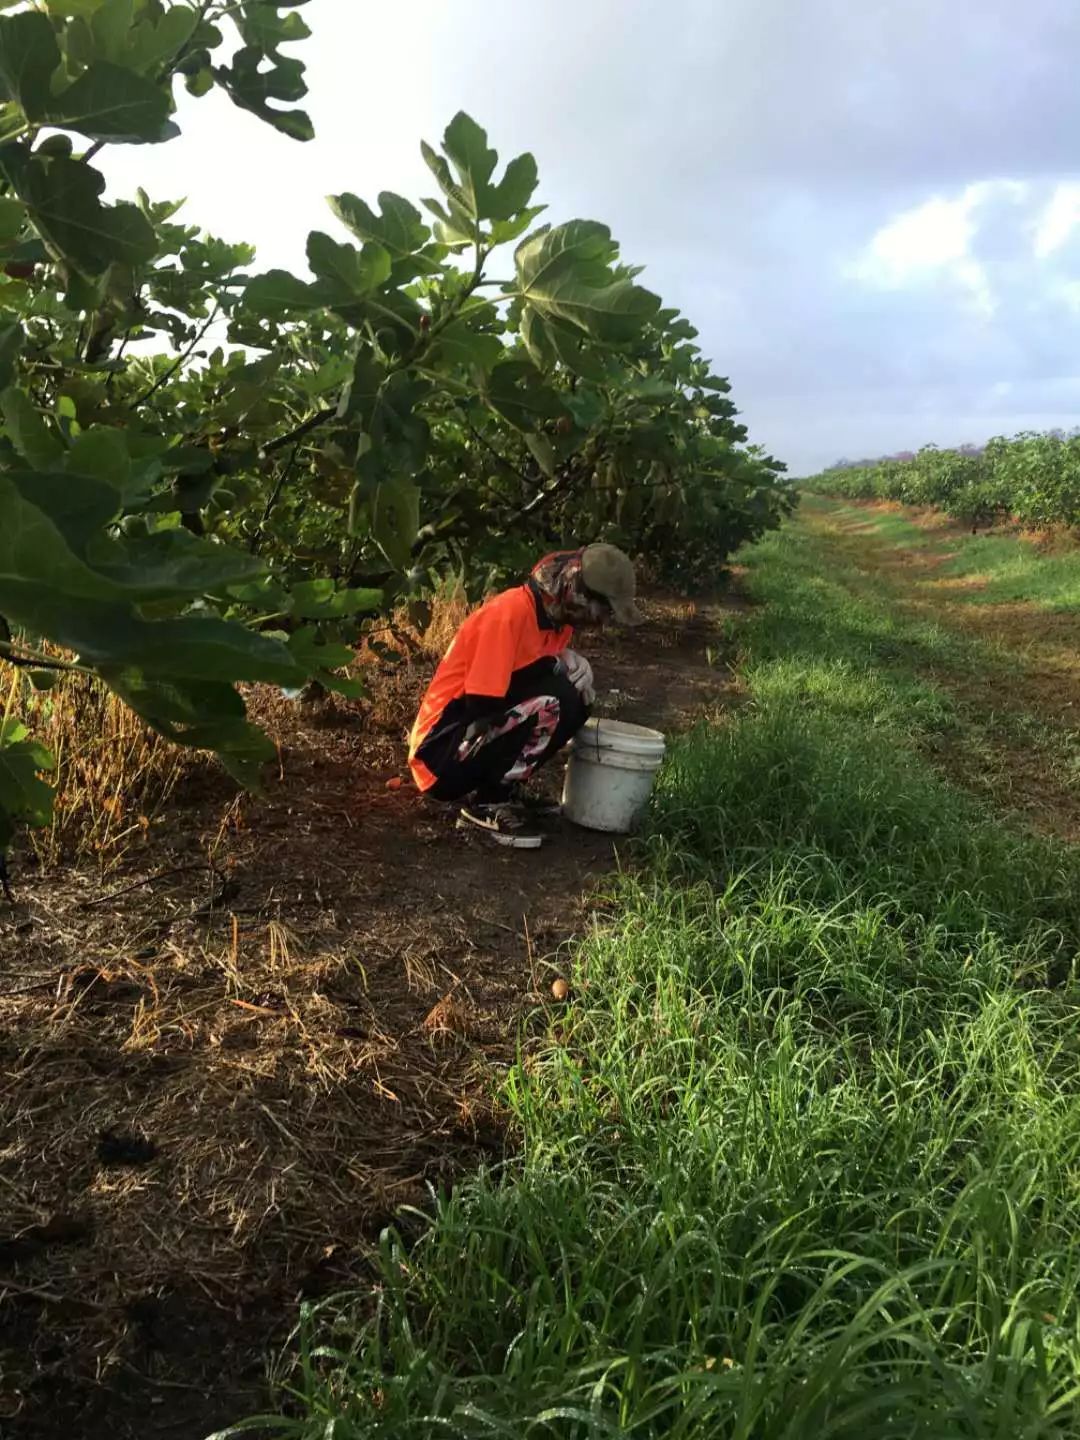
{"x":226,"y":1066}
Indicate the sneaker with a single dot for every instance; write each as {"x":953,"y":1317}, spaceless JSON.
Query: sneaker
{"x":504,"y":824}
{"x":521,"y":797}
{"x":535,"y":806}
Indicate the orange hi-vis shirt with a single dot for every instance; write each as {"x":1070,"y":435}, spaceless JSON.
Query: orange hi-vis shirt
{"x":502,"y":636}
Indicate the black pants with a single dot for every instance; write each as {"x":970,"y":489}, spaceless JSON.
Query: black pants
{"x":538,"y":715}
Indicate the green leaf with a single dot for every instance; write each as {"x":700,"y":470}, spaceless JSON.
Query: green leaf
{"x":61,"y":195}
{"x":77,"y":505}
{"x":172,"y":565}
{"x":503,"y":231}
{"x":200,"y":83}
{"x":471,"y":196}
{"x":308,"y":651}
{"x":396,"y":521}
{"x":261,"y":26}
{"x":29,"y":55}
{"x":277,"y":291}
{"x":400,"y":229}
{"x":200,"y":715}
{"x":347,"y":274}
{"x":542,"y":451}
{"x":509,"y":198}
{"x":111,"y":24}
{"x":321,"y":600}
{"x":394,"y":317}
{"x":396,"y":424}
{"x":465,"y":142}
{"x":150,"y":46}
{"x":347,"y":685}
{"x":27,"y":430}
{"x":517,"y":391}
{"x":387,"y":406}
{"x":12,"y":220}
{"x":192,"y":649}
{"x":455,"y":230}
{"x":43,"y":583}
{"x":360,"y":395}
{"x":68,"y":9}
{"x":252,"y":88}
{"x":11,"y":340}
{"x":101,"y":454}
{"x":12,"y":122}
{"x":61,"y":577}
{"x":573,"y":349}
{"x":460,"y":343}
{"x":565,"y":274}
{"x":108,"y":102}
{"x":24,"y":796}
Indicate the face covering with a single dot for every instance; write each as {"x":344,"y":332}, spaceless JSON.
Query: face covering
{"x":556,"y":581}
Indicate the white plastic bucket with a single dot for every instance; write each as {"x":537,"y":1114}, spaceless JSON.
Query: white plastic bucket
{"x":610,"y":775}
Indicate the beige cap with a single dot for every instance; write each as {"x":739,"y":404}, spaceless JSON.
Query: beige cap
{"x":606,"y":571}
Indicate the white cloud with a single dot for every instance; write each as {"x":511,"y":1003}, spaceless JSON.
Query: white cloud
{"x":935,"y":241}
{"x":1058,"y":220}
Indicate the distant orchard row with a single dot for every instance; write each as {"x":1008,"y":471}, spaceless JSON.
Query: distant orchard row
{"x":1032,"y":478}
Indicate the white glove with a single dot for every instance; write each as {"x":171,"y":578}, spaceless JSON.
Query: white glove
{"x":579,"y":672}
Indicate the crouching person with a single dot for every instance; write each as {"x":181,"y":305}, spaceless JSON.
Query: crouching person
{"x":510,"y":692}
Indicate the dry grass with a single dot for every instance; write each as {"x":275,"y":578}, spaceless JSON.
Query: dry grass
{"x":449,"y":609}
{"x":114,"y":776}
{"x":206,"y":1107}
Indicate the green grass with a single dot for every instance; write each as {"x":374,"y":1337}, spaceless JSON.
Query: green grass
{"x":802,"y":1158}
{"x":1016,"y":570}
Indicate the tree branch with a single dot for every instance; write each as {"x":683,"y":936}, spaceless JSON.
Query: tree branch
{"x":304,"y":428}
{"x":40,"y":662}
{"x":506,"y":464}
{"x":180,"y":361}
{"x":275,"y":496}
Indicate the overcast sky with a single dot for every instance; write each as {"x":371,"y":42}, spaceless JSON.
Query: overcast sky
{"x":869,"y":208}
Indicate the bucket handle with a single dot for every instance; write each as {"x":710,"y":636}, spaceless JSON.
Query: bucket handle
{"x":596,"y":736}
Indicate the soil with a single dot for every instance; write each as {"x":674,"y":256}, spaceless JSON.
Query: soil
{"x":226,"y":1067}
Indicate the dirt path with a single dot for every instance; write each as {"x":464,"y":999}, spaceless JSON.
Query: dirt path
{"x":224,"y":1071}
{"x":1019,"y":743}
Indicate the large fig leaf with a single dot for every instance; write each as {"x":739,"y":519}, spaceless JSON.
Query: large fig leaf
{"x":253,"y":88}
{"x":564,"y":274}
{"x":172,"y":565}
{"x":36,"y":560}
{"x":396,"y":521}
{"x":346,"y":274}
{"x":471,"y":197}
{"x":400,"y":229}
{"x":108,"y":102}
{"x":262,"y":26}
{"x":201,"y":715}
{"x":519,"y":393}
{"x":278,"y":292}
{"x":61,"y":196}
{"x":29,"y":55}
{"x":26,"y":429}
